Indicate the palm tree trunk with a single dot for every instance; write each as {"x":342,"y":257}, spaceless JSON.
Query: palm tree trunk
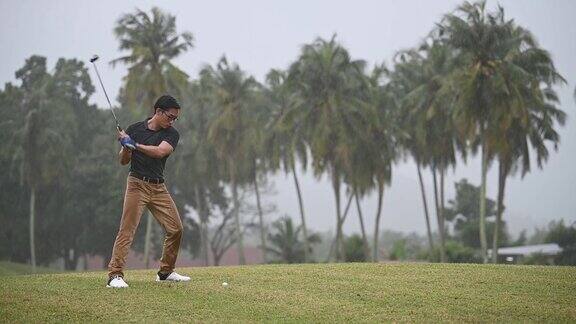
{"x":501,"y":187}
{"x":438,"y":217}
{"x":442,"y":219}
{"x":303,"y":219}
{"x":216,"y":260}
{"x":425,"y":203}
{"x":203,"y":232}
{"x":147,"y":239}
{"x":339,"y":236}
{"x":333,"y":245}
{"x":205,"y":243}
{"x":32,"y":216}
{"x":377,"y":225}
{"x":239,"y":243}
{"x":260,"y":218}
{"x":483,"y":242}
{"x":361,"y":218}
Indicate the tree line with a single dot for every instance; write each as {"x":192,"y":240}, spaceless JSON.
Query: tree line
{"x":478,"y":84}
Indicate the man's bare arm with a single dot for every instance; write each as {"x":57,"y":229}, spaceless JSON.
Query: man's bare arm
{"x":156,"y":152}
{"x":125,"y":156}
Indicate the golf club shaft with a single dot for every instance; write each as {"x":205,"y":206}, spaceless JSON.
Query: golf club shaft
{"x":108,"y":99}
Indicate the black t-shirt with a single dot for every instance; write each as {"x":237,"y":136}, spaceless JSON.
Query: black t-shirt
{"x":142,"y":163}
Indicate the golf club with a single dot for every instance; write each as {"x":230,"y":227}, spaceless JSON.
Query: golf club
{"x":93,"y":61}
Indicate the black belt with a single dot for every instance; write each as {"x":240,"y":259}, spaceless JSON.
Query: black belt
{"x":147,"y":179}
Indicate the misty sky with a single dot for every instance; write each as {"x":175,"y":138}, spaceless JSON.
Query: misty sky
{"x":260,"y":35}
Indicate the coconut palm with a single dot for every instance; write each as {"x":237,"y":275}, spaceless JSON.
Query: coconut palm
{"x":382,"y":139}
{"x":490,"y":82}
{"x":152,"y":42}
{"x":231,"y":132}
{"x":477,"y":36}
{"x":402,"y":80}
{"x":327,"y":79}
{"x":369,"y":162}
{"x":435,"y":98}
{"x":285,"y":144}
{"x":529,"y":118}
{"x":194,"y":164}
{"x":30,"y":169}
{"x":259,"y":114}
{"x":359,"y":177}
{"x":426,"y":111}
{"x":34,"y":79}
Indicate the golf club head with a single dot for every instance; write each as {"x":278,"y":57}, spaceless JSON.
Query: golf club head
{"x":94,"y":58}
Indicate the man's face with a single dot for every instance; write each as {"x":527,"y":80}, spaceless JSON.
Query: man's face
{"x":167,"y":117}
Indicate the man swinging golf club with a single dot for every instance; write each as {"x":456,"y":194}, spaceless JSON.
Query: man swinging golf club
{"x":147,"y":145}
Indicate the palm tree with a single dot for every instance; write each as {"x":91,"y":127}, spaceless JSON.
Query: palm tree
{"x":254,"y":172}
{"x":259,"y":114}
{"x":382,"y":140}
{"x":231,"y":132}
{"x":476,"y":36}
{"x":194,"y":164}
{"x":285,"y":243}
{"x":368,"y":164}
{"x":327,"y":80}
{"x":152,"y":42}
{"x":41,"y":144}
{"x":435,"y":100}
{"x":490,"y":84}
{"x":402,"y":80}
{"x":529,"y":118}
{"x":426,"y":110}
{"x":359,"y":176}
{"x":34,"y":78}
{"x":285,"y":141}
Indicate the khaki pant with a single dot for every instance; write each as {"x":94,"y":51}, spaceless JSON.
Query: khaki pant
{"x":155,"y":197}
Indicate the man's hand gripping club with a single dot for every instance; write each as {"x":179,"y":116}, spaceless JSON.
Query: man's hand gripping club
{"x":126,"y":141}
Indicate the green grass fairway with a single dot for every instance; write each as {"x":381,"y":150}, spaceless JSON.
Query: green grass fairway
{"x":311,"y":292}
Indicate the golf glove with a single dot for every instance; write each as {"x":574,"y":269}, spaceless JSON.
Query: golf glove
{"x":128,"y":142}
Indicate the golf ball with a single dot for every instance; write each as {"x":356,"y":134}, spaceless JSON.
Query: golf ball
{"x":224,"y":284}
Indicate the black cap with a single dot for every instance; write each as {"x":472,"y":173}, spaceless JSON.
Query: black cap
{"x":166,"y":102}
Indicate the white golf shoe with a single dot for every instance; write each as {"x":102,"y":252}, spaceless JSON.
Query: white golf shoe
{"x":172,"y":276}
{"x":116,"y":282}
